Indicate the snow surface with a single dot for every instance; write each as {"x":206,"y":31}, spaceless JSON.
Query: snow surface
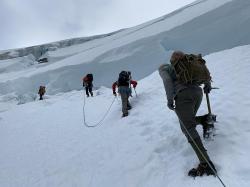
{"x":46,"y":144}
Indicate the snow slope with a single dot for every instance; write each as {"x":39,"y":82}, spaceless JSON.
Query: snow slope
{"x":45,"y":143}
{"x":204,"y":26}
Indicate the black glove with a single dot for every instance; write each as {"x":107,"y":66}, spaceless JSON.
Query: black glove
{"x":114,"y":93}
{"x":207,"y":88}
{"x":171,"y":104}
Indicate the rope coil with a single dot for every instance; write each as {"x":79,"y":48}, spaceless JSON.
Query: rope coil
{"x":102,"y":119}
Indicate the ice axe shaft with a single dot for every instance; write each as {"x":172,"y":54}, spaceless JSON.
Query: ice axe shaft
{"x":208,"y":101}
{"x":211,"y":119}
{"x":208,"y":104}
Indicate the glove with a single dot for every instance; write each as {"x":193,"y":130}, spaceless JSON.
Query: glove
{"x":207,"y":88}
{"x":114,"y":93}
{"x":171,"y":104}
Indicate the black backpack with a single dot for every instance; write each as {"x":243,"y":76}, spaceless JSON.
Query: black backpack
{"x":123,"y":79}
{"x":90,"y":77}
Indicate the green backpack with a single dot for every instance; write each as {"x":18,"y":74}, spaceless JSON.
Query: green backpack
{"x":192,"y":69}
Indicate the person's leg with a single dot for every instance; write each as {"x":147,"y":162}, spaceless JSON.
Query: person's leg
{"x":90,"y":90}
{"x":200,"y":119}
{"x":200,"y":150}
{"x":187,"y":104}
{"x":198,"y":95}
{"x":129,"y":107}
{"x":87,"y":90}
{"x":124,"y":98}
{"x":41,"y":97}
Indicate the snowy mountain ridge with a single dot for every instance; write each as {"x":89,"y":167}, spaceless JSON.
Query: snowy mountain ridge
{"x":41,"y":49}
{"x":208,"y":25}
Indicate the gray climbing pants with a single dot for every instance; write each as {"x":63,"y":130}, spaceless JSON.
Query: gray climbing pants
{"x":125,"y":103}
{"x":187,"y":104}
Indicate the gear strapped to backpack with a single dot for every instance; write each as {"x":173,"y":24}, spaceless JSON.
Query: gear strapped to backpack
{"x":192,"y":69}
{"x":123,"y":79}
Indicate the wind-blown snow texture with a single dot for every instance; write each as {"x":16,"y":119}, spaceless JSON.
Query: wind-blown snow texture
{"x":45,"y":143}
{"x":204,"y":26}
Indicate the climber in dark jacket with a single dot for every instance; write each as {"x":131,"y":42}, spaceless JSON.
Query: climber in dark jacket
{"x":88,"y":84}
{"x":41,"y":92}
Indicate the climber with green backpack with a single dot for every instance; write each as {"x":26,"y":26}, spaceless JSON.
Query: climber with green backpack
{"x":182,"y":79}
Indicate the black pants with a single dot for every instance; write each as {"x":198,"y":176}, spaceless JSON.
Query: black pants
{"x":88,"y":89}
{"x":41,"y":97}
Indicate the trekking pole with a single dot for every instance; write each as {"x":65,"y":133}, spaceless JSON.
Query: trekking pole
{"x":135,"y":92}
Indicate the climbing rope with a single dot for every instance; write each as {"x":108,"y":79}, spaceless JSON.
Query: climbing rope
{"x":102,"y":119}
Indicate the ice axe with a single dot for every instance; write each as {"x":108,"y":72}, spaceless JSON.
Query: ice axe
{"x":208,"y":103}
{"x":211,"y":119}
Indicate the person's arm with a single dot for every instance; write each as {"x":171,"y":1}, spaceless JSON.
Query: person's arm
{"x":134,"y":83}
{"x":164,"y":71}
{"x":84,"y":81}
{"x":207,"y":87}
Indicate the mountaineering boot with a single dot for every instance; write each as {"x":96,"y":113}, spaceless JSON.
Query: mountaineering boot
{"x":208,"y":126}
{"x":124,"y":115}
{"x":208,"y":131}
{"x":129,"y":107}
{"x":203,"y":168}
{"x":207,"y":121}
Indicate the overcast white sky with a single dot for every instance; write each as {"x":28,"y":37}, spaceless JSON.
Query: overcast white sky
{"x":32,"y":22}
